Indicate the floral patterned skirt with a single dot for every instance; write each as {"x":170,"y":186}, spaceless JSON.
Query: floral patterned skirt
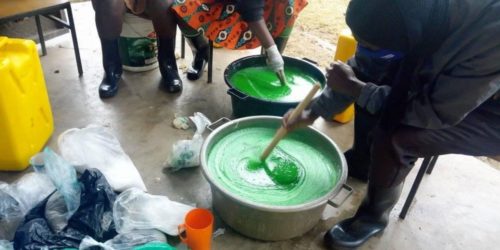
{"x":223,"y":25}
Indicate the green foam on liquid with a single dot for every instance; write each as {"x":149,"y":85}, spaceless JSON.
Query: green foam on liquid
{"x":280,"y":167}
{"x":294,"y":173}
{"x":262,"y":83}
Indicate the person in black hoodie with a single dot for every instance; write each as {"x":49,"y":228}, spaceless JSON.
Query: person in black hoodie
{"x":109,"y":19}
{"x":426,"y":81}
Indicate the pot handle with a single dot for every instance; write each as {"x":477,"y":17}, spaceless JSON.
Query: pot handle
{"x":237,"y":94}
{"x":214,"y":125}
{"x":339,"y":199}
{"x":310,"y":60}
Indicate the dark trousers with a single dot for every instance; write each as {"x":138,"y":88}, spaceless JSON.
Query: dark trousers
{"x":391,"y":157}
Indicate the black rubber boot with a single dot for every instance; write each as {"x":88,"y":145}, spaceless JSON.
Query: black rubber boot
{"x":200,"y":47}
{"x":168,"y":65}
{"x":358,"y":165}
{"x":370,"y":219}
{"x":112,"y":64}
{"x":358,"y":157}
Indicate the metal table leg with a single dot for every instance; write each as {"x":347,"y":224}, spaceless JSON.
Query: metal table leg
{"x":40,"y":35}
{"x":75,"y":40}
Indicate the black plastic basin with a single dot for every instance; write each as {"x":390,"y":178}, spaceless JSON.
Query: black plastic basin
{"x":245,"y":105}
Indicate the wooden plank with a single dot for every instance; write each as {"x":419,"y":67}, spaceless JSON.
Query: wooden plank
{"x":10,"y":8}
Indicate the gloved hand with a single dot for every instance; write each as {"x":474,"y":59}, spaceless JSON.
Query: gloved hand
{"x":274,"y":60}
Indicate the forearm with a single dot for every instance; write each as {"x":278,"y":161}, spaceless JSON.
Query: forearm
{"x":372,"y":97}
{"x":259,"y":28}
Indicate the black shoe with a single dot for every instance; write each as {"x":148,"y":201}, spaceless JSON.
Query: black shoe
{"x":171,"y":80}
{"x":200,"y":47}
{"x":370,"y":219}
{"x":112,"y":68}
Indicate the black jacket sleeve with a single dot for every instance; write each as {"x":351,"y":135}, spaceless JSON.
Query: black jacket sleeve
{"x":250,"y":10}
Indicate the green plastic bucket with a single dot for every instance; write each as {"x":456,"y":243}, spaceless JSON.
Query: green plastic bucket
{"x":138,"y":48}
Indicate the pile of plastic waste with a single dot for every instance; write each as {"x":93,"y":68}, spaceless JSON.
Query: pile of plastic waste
{"x":89,"y":196}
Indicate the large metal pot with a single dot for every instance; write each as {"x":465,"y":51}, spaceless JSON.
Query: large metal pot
{"x":246,"y":105}
{"x":268,"y":222}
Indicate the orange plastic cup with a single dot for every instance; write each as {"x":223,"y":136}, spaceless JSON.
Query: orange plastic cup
{"x":197,"y":229}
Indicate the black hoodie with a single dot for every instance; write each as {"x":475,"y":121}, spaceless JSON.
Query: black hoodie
{"x":452,"y":67}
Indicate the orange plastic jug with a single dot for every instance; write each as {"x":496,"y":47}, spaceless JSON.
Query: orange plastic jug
{"x":26,"y":121}
{"x":346,"y":47}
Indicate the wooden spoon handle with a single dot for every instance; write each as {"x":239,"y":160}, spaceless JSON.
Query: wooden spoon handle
{"x":295,"y":113}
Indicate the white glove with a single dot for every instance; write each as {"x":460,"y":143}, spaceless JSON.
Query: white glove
{"x":274,"y":59}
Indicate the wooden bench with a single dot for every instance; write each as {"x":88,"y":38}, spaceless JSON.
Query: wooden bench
{"x":17,"y":9}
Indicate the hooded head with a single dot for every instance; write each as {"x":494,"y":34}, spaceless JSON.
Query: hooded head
{"x":400,"y":25}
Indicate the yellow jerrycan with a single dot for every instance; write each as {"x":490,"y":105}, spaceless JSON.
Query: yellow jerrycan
{"x":26,"y":121}
{"x":346,"y":47}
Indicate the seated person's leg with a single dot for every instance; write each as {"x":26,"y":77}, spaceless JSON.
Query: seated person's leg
{"x":200,"y":47}
{"x":358,"y":156}
{"x":282,"y":39}
{"x":165,"y":26}
{"x":109,"y":19}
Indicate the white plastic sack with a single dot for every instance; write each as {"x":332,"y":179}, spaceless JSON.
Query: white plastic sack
{"x":186,"y":153}
{"x":17,"y":199}
{"x":96,"y":147}
{"x":137,"y":210}
{"x":125,"y":241}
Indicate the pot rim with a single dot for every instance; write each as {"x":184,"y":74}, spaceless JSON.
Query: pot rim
{"x":273,"y":208}
{"x":227,"y":81}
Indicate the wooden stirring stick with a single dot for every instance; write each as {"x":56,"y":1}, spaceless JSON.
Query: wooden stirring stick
{"x":281,"y":77}
{"x":283,"y":131}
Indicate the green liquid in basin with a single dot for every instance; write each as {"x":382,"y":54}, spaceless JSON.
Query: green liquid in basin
{"x":313,"y":175}
{"x":261,"y":82}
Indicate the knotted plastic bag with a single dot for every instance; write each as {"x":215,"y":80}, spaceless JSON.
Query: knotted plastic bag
{"x":136,"y":210}
{"x":186,"y":153}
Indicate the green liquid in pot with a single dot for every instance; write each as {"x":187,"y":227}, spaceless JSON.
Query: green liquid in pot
{"x":228,"y":164}
{"x":262,"y":83}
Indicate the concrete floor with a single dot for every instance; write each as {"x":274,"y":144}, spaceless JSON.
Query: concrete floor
{"x":455,"y":208}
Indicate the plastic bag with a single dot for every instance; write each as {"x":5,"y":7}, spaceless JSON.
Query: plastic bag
{"x":136,"y":210}
{"x":35,"y":233}
{"x":56,"y":212}
{"x":125,"y":241}
{"x":94,"y":218}
{"x":18,"y":198}
{"x":96,"y":147}
{"x":186,"y":153}
{"x":95,"y":215}
{"x":6,"y":245}
{"x":63,"y":176}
